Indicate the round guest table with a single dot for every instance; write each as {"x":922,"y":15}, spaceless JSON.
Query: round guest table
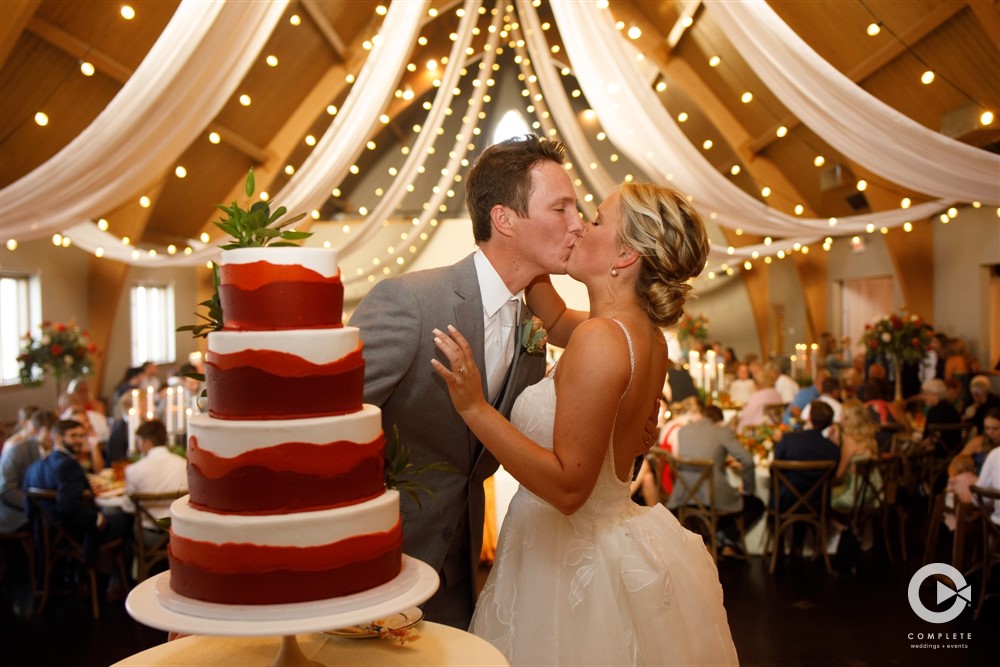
{"x":437,"y":645}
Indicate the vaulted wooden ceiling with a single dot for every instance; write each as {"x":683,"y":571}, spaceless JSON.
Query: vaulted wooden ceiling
{"x":44,"y":42}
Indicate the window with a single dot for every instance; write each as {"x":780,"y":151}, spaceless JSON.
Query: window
{"x":152,"y":324}
{"x":511,"y":125}
{"x":21,"y":301}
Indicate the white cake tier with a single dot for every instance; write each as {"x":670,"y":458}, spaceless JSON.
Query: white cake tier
{"x":317,"y":346}
{"x":302,"y":529}
{"x":321,"y":260}
{"x":228,"y":438}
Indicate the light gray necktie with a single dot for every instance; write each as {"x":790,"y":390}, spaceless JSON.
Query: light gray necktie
{"x":508,"y":316}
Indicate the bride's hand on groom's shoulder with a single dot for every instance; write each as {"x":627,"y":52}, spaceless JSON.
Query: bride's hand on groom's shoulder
{"x":462,"y":376}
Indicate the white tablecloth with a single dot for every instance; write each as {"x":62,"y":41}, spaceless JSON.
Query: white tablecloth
{"x":437,"y":645}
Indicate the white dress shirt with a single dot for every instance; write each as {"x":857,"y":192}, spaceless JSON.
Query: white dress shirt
{"x":494,"y":294}
{"x":159,"y":471}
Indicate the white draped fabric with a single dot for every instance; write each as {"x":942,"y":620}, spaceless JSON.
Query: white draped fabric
{"x":558,"y":102}
{"x":346,"y":137}
{"x":849,"y":118}
{"x":326,"y":166}
{"x":637,"y":123}
{"x":182,"y":83}
{"x":396,"y":190}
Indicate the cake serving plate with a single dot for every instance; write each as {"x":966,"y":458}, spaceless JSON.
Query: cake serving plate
{"x":155,"y":604}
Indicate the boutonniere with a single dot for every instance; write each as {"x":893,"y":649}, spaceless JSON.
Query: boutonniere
{"x":533,"y":335}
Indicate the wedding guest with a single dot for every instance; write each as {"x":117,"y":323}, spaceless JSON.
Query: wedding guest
{"x":25,"y":430}
{"x":573,"y":546}
{"x":959,"y":365}
{"x":680,"y":384}
{"x":158,"y":471}
{"x":74,"y":506}
{"x":989,"y":477}
{"x":132,"y":380}
{"x":829,"y":394}
{"x":806,"y":395}
{"x":742,"y":388}
{"x":90,"y":454}
{"x":525,"y":222}
{"x":14,"y":462}
{"x":753,"y":413}
{"x":807,"y":445}
{"x":786,"y":386}
{"x":79,"y":388}
{"x":982,"y":401}
{"x":941,"y":412}
{"x":979,"y":446}
{"x":117,"y":445}
{"x":858,"y":443}
{"x":706,"y":438}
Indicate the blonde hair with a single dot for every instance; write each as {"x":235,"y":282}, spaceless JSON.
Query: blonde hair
{"x":662,"y":227}
{"x":858,"y":425}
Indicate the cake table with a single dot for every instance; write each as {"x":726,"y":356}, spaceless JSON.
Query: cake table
{"x":155,"y":604}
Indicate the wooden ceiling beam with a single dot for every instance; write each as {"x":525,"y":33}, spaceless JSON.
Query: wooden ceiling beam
{"x":930,"y":22}
{"x":326,"y":29}
{"x":80,"y":49}
{"x":13,"y":20}
{"x":119,"y":73}
{"x":988,"y":15}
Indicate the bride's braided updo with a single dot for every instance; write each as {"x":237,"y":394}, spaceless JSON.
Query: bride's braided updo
{"x":668,"y":234}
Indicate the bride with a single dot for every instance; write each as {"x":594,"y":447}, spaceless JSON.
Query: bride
{"x":582,"y":575}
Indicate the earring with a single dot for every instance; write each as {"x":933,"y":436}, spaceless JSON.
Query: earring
{"x":614,"y":273}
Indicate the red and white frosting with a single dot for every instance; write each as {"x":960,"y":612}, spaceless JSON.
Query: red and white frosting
{"x":280,"y":288}
{"x":286,"y":472}
{"x":276,"y":559}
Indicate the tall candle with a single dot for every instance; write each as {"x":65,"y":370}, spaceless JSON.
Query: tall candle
{"x":168,"y":416}
{"x":133,"y":424}
{"x":135,"y":401}
{"x":721,"y":377}
{"x":150,"y":406}
{"x":812,"y":360}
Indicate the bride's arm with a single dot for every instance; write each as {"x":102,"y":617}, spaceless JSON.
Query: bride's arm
{"x":558,"y":320}
{"x":592,"y":375}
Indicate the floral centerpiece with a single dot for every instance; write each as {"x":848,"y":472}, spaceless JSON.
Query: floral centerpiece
{"x":62,"y":349}
{"x":902,"y":338}
{"x":692,"y":328}
{"x":759,"y":440}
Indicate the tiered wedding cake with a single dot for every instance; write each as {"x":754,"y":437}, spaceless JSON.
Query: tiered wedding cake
{"x":286,"y":471}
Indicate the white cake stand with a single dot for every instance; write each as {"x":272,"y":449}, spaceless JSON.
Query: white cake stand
{"x":155,"y":604}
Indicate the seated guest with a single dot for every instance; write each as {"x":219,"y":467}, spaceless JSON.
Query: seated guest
{"x":14,"y":462}
{"x":117,"y":446}
{"x":706,"y":438}
{"x":785,"y":385}
{"x":808,"y":445}
{"x":806,"y":395}
{"x":24,"y":429}
{"x":158,"y":471}
{"x":829,"y":394}
{"x":982,"y":400}
{"x":743,"y":386}
{"x":857,"y":444}
{"x":73,"y":506}
{"x":79,"y":388}
{"x":91,"y":454}
{"x":989,"y":478}
{"x":979,"y":446}
{"x":132,"y":380}
{"x":941,"y":412}
{"x":680,"y":383}
{"x":753,"y":413}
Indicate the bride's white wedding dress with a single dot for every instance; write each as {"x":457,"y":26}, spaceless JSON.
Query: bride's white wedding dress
{"x":613,"y":584}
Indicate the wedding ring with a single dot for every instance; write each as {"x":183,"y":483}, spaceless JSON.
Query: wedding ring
{"x":460,"y":369}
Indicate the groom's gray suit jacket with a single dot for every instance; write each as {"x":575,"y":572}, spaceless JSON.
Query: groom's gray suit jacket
{"x":396,"y":320}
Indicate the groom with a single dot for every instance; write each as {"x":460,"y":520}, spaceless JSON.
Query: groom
{"x":525,"y":222}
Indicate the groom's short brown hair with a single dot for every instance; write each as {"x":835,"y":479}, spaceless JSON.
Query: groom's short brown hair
{"x":502,"y":175}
